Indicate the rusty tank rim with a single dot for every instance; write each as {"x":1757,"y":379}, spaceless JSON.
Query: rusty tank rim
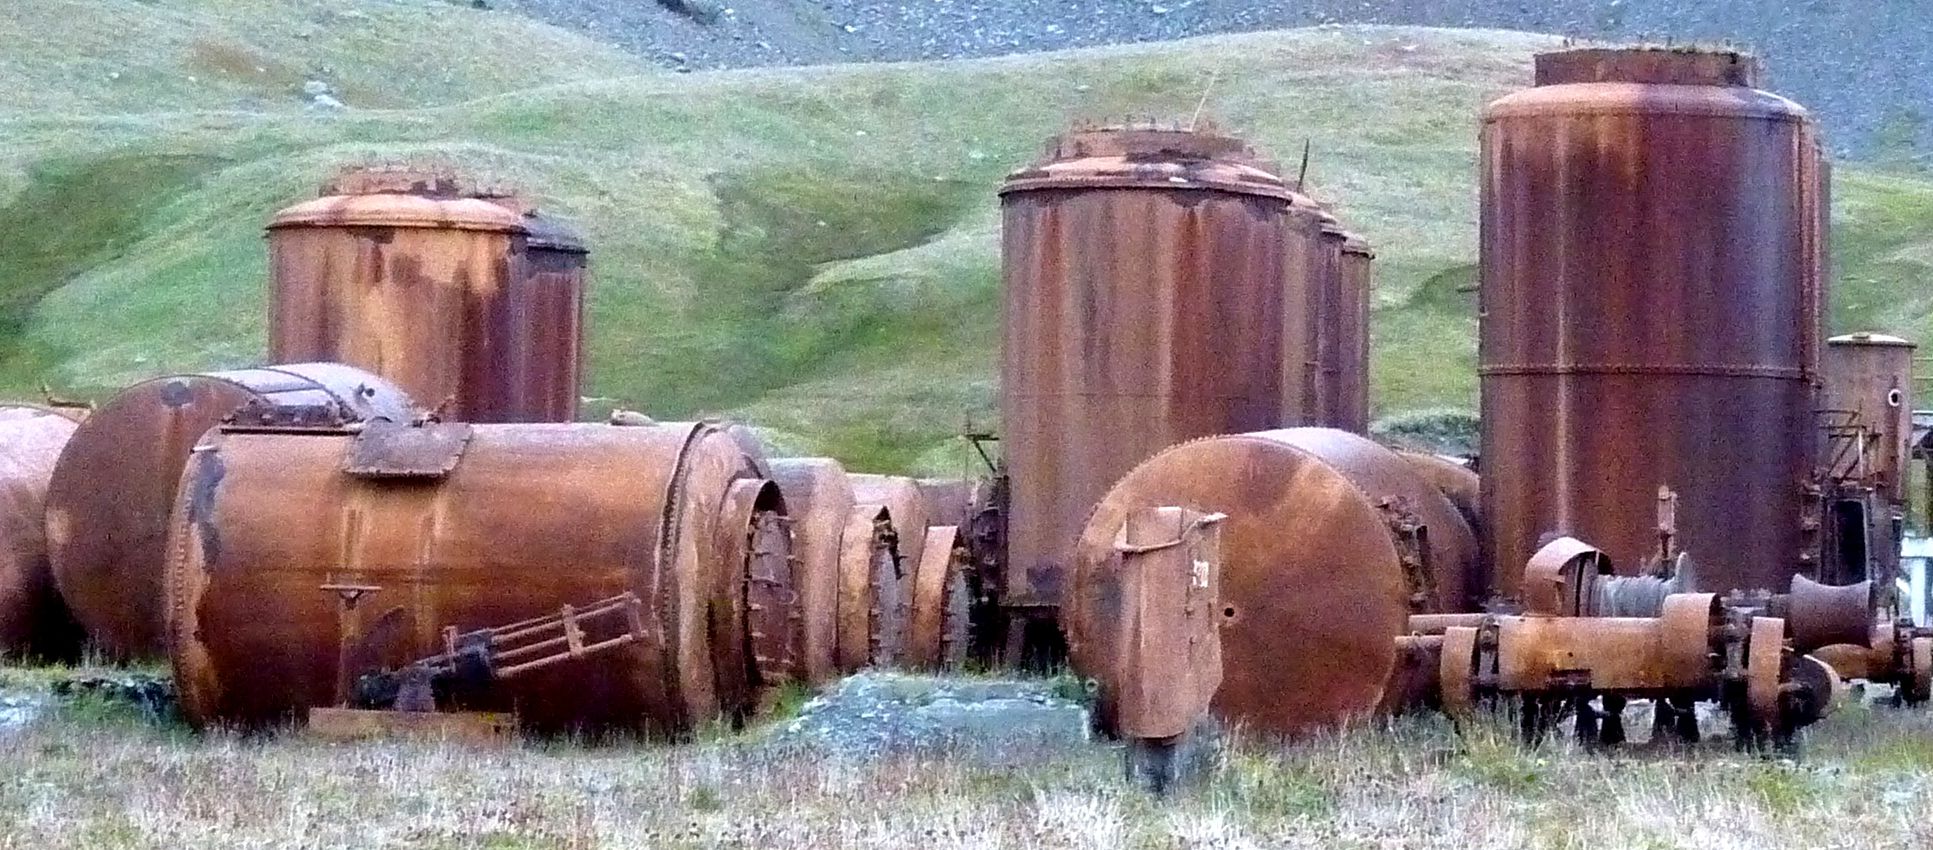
{"x":1151,"y":158}
{"x":96,"y":535}
{"x":820,"y":501}
{"x":866,"y":546}
{"x":1873,"y":339}
{"x":1354,"y":243}
{"x":1308,"y":643}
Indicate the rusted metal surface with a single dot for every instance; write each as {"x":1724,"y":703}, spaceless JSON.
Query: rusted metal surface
{"x":754,"y":616}
{"x":1822,"y":615}
{"x":1558,"y":578}
{"x":1646,"y":317}
{"x":819,"y":500}
{"x":1355,"y":281}
{"x":1416,"y":682}
{"x":1316,"y":580}
{"x":33,"y":620}
{"x":1461,"y":485}
{"x":1138,"y":265}
{"x":871,"y":614}
{"x":937,"y":633}
{"x":531,"y":517}
{"x":949,"y":501}
{"x":474,"y":305}
{"x":1169,"y":659}
{"x":108,"y":503}
{"x":1332,"y":307}
{"x":1868,"y":380}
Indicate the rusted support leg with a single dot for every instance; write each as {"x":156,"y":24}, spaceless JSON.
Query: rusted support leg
{"x":1610,"y":731}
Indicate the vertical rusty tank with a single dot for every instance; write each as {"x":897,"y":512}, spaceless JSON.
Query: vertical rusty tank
{"x":108,"y":503}
{"x":1330,"y":542}
{"x":33,"y":621}
{"x":1144,"y":306}
{"x":471,"y":302}
{"x":1354,"y":280}
{"x":1305,"y":286}
{"x":1868,"y":385}
{"x":1650,"y":313}
{"x":1330,"y":305}
{"x":473,"y":527}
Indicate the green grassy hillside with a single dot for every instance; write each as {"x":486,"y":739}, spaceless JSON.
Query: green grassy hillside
{"x":812,"y":249}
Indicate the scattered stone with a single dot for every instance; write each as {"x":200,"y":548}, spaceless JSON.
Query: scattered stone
{"x":315,"y":88}
{"x":880,"y":713}
{"x":327,"y":103}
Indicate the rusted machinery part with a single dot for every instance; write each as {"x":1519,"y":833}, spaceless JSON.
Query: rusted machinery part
{"x":956,"y":616}
{"x":819,"y":499}
{"x":1815,"y":688}
{"x":108,"y":502}
{"x":1822,"y":614}
{"x":1851,"y":662}
{"x":868,"y":550}
{"x":265,"y":519}
{"x":1458,"y":671}
{"x":949,"y":501}
{"x":1416,"y":682}
{"x":905,"y":501}
{"x":1560,"y":574}
{"x":1313,"y":584}
{"x":1688,"y":620}
{"x":753,"y":602}
{"x":1917,"y":684}
{"x":1457,"y":482}
{"x":932,"y":578}
{"x":1765,"y":666}
{"x":33,"y":620}
{"x":1169,"y":660}
{"x":1437,"y":624}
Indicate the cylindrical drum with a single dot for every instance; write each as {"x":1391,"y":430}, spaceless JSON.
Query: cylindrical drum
{"x":1650,"y":314}
{"x":1144,"y":306}
{"x":460,"y":526}
{"x":819,"y":499}
{"x":1331,"y":305}
{"x":473,"y":304}
{"x":1352,"y":335}
{"x":1867,"y":394}
{"x":1330,"y":543}
{"x":107,"y":507}
{"x":33,"y":621}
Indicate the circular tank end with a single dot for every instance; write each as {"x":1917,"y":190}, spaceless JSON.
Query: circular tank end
{"x":1681,"y":66}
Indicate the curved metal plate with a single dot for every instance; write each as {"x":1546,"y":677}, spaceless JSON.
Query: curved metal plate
{"x":1458,"y":671}
{"x":1825,"y":614}
{"x":1313,"y":595}
{"x":1921,"y":679}
{"x":819,"y":499}
{"x":32,"y":617}
{"x":1764,"y":668}
{"x":930,"y":581}
{"x":865,"y":544}
{"x":1557,"y":579}
{"x":1687,"y":619}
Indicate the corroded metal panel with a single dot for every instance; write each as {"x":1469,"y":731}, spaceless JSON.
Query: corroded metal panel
{"x":33,"y":620}
{"x":819,"y":500}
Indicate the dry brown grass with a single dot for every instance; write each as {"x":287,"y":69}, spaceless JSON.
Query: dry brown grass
{"x":91,"y":776}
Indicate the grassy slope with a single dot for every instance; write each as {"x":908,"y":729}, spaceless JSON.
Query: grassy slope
{"x":814,"y":249}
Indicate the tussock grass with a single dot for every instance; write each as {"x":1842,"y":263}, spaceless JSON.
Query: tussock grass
{"x":107,"y":783}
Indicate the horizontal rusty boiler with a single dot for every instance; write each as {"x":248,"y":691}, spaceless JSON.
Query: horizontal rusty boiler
{"x":471,"y":300}
{"x":1146,"y":302}
{"x":1329,"y":544}
{"x":470,"y":527}
{"x":108,"y":504}
{"x":1650,"y":313}
{"x":33,"y":620}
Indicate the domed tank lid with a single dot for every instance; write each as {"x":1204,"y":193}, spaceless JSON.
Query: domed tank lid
{"x":1354,"y":243}
{"x":398,"y":197}
{"x":1151,"y":158}
{"x":1677,"y":66}
{"x":543,"y":230}
{"x":1873,"y":339}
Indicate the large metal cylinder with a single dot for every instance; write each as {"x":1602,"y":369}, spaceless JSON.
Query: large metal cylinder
{"x":108,"y":502}
{"x":1868,"y":391}
{"x":33,"y":621}
{"x":1354,"y":285}
{"x":472,"y":302}
{"x":1330,"y":543}
{"x":1650,"y":313}
{"x":467,"y":526}
{"x":1144,"y":306}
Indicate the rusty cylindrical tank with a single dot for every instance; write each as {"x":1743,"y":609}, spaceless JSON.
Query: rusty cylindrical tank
{"x":1354,"y":285}
{"x":33,"y":621}
{"x":108,"y":503}
{"x":820,"y":502}
{"x":1331,"y":541}
{"x":467,"y":526}
{"x":1868,"y":378}
{"x":474,"y":305}
{"x":1144,"y":306}
{"x":1331,"y":304}
{"x":1650,"y":313}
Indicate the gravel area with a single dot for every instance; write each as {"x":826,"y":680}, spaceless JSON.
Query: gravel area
{"x":1866,"y":68}
{"x":876,"y":714}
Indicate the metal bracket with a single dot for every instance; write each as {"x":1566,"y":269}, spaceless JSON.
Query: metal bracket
{"x":385,"y":449}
